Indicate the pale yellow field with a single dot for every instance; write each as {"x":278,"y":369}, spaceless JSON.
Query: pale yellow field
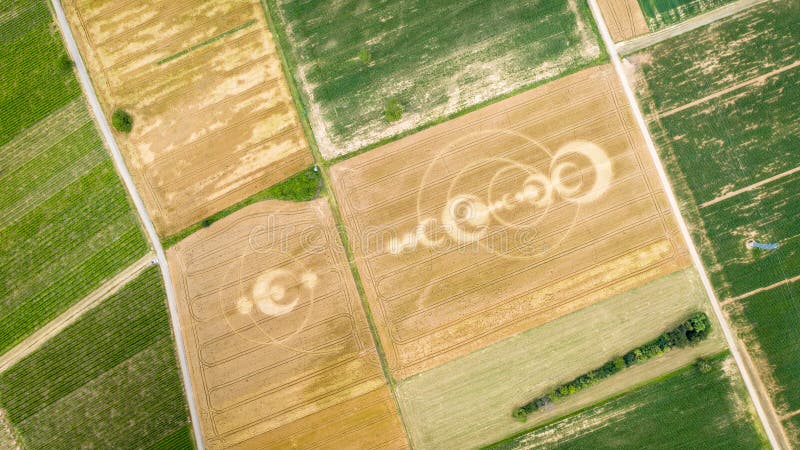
{"x":504,"y":219}
{"x":624,"y":19}
{"x":279,"y":348}
{"x":211,"y":126}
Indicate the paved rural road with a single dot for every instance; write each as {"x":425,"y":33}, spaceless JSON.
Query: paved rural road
{"x":122,"y":169}
{"x":72,"y":314}
{"x":628,"y":47}
{"x":768,"y":418}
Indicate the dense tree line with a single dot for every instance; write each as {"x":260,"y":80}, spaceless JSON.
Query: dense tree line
{"x":690,"y":332}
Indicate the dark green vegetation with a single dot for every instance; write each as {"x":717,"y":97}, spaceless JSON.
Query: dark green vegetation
{"x":122,"y":121}
{"x":686,"y":409}
{"x":110,"y":380}
{"x":660,"y":13}
{"x":65,"y":221}
{"x":300,"y":187}
{"x":32,"y":81}
{"x":690,"y":332}
{"x":704,"y":61}
{"x":435,"y":57}
{"x":771,"y":319}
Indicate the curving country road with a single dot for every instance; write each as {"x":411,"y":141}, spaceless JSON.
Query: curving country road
{"x":122,"y":169}
{"x":766,"y":414}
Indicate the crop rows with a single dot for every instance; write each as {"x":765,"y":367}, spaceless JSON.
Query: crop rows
{"x":662,"y":13}
{"x":109,"y":380}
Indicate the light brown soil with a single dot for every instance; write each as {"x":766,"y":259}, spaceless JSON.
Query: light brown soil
{"x":274,"y":329}
{"x":624,"y":19}
{"x":211,"y":127}
{"x":457,"y":251}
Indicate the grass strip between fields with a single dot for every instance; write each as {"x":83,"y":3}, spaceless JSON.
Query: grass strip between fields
{"x":206,"y":42}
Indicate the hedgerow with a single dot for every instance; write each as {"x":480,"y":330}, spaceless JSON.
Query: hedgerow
{"x":690,"y":332}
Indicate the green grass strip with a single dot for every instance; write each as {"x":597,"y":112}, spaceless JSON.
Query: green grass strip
{"x":206,"y":42}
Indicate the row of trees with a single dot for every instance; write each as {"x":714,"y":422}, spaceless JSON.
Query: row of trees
{"x":690,"y":332}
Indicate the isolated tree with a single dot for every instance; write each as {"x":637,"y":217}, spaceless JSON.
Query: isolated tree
{"x":393,"y":110}
{"x":122,"y":121}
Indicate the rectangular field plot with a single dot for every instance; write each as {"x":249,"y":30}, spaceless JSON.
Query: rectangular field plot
{"x":434,"y":58}
{"x":624,"y":18}
{"x":767,"y":322}
{"x":687,"y":410}
{"x":717,"y":57}
{"x":65,"y":223}
{"x":214,"y":121}
{"x":504,"y":219}
{"x":109,"y":380}
{"x":661,"y":13}
{"x":279,"y":347}
{"x":468,"y":402}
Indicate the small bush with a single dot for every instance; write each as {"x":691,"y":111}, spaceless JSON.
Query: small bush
{"x":519,"y":414}
{"x":65,"y":64}
{"x":365,"y":56}
{"x":393,"y":111}
{"x":122,"y":121}
{"x":206,"y":222}
{"x":703,"y":365}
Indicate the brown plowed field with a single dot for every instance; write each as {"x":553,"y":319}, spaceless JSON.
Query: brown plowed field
{"x":504,"y":219}
{"x":624,"y":19}
{"x":214,"y":120}
{"x":278,"y":344}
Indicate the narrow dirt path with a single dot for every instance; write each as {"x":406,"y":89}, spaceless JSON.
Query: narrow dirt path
{"x":762,"y":289}
{"x":628,"y":47}
{"x":69,"y":316}
{"x":750,"y":188}
{"x":761,"y":402}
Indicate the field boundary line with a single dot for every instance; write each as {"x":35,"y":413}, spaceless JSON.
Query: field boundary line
{"x":68,"y":317}
{"x":790,"y":415}
{"x":751,"y":187}
{"x":747,"y":376}
{"x":762,"y":289}
{"x":119,"y":163}
{"x":636,"y":44}
{"x":755,"y":80}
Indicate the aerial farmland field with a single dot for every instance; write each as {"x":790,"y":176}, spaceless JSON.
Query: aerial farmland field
{"x":65,"y":222}
{"x":504,"y":219}
{"x":662,"y":13}
{"x":110,"y":380}
{"x":722,"y":106}
{"x":624,"y":18}
{"x":354,"y":60}
{"x":213,"y":120}
{"x":687,"y":409}
{"x":279,"y":347}
{"x":467,"y":402}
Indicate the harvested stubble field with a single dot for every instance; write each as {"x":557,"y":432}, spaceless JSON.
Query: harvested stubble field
{"x":504,"y":219}
{"x":687,"y":409}
{"x":468,"y":402}
{"x":214,"y":121}
{"x":110,"y":380}
{"x":624,"y":18}
{"x":661,"y":13}
{"x":65,"y":222}
{"x":435,"y":58}
{"x":722,"y":108}
{"x":279,"y":346}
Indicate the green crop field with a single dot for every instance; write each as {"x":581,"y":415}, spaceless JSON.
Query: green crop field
{"x":722,"y":107}
{"x":770,"y":318}
{"x":33,"y":82}
{"x":110,"y":380}
{"x":709,"y":59}
{"x":687,"y":409}
{"x":360,"y":63}
{"x":65,"y":222}
{"x":661,"y":13}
